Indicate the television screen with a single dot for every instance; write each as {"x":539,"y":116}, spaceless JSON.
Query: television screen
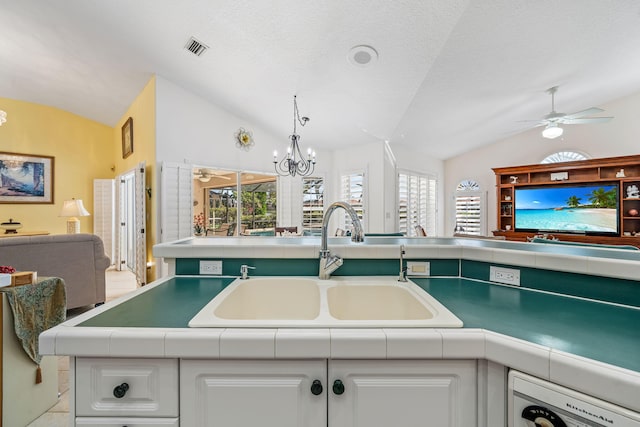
{"x":585,"y":209}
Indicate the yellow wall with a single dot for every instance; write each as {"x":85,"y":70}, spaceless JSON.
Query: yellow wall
{"x":143,"y":112}
{"x":82,"y":150}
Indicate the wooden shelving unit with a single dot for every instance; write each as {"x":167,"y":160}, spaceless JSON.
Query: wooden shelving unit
{"x":583,"y":171}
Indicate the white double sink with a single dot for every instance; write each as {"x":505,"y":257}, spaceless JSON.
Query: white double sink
{"x":341,"y":302}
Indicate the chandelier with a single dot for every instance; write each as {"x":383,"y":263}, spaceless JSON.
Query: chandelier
{"x":294,"y":163}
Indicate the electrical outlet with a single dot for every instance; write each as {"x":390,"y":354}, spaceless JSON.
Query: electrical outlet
{"x":418,"y":268}
{"x":508,"y":276}
{"x":210,"y":267}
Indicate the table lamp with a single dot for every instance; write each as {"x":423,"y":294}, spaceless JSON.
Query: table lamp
{"x":73,"y":208}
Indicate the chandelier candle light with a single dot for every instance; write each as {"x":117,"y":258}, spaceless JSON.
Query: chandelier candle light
{"x":294,"y":162}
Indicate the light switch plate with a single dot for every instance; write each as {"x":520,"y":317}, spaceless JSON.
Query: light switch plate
{"x":210,"y":267}
{"x":418,"y":268}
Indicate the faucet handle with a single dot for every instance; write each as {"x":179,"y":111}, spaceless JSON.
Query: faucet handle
{"x":244,"y":271}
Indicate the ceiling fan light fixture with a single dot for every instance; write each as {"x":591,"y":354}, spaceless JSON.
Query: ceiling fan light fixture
{"x":204,"y":178}
{"x":552,"y":131}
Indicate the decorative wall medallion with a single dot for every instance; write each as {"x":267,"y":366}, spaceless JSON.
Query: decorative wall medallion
{"x":244,"y":139}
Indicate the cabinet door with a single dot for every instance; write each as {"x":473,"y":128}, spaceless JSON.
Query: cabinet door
{"x":248,"y":393}
{"x":403,"y":393}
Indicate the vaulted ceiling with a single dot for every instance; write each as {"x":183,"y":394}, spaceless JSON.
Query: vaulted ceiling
{"x":445,"y":76}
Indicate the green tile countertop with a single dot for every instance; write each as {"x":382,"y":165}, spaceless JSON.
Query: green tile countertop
{"x":605,"y":332}
{"x":169,"y":305}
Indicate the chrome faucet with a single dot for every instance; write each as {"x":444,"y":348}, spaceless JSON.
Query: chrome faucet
{"x":403,"y":270}
{"x":330,"y":263}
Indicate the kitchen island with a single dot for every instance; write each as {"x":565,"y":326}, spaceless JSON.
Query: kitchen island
{"x":588,"y":342}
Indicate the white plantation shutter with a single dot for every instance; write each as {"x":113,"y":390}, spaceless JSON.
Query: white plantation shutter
{"x":353,"y":192}
{"x":470,"y":209}
{"x":140,"y":269}
{"x":104,"y":214}
{"x":416,"y":203}
{"x":176,"y":204}
{"x":312,"y":204}
{"x":430,"y":222}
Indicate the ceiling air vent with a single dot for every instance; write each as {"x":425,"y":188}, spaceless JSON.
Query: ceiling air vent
{"x":196,"y":47}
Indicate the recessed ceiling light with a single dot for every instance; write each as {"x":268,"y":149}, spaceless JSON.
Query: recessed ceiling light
{"x":362,"y":55}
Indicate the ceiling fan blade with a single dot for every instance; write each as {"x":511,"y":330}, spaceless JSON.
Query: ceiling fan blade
{"x":586,"y":120}
{"x":587,"y":112}
{"x":536,"y":123}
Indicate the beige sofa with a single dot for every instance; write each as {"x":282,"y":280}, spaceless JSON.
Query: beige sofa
{"x":78,"y":259}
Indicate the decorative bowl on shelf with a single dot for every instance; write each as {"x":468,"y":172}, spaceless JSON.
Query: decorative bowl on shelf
{"x":10,"y":227}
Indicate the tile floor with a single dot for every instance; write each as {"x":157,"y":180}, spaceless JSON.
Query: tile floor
{"x":118,"y":284}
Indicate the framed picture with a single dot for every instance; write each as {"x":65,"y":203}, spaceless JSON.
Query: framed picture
{"x":26,"y":178}
{"x":127,"y":138}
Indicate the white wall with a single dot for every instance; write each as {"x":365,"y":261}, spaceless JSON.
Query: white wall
{"x":619,"y":137}
{"x":191,"y":130}
{"x":412,"y":160}
{"x":368,"y":158}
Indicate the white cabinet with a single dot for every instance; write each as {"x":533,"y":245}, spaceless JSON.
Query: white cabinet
{"x":127,"y":422}
{"x":355,"y":393}
{"x":109,"y":387}
{"x":402,"y":393}
{"x":250,"y":393}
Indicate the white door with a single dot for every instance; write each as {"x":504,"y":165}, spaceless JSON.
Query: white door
{"x":402,"y":393}
{"x":253,"y":393}
{"x":131,"y":248}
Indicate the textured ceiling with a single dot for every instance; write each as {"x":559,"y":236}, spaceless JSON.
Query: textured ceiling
{"x":452,"y":75}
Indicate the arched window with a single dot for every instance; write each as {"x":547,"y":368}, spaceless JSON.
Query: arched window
{"x":470,"y":208}
{"x":564,"y":156}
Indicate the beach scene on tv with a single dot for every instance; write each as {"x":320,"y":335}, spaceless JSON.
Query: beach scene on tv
{"x":575,"y":209}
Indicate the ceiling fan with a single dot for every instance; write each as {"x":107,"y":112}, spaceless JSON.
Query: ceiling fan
{"x":553,"y":120}
{"x":204,"y":175}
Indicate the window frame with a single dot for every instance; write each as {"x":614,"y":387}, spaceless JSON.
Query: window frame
{"x":361,"y":208}
{"x":427,"y":213}
{"x":470,"y":188}
{"x":321,"y":195}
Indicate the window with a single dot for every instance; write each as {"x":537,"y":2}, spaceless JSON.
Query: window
{"x":235,"y":202}
{"x":312,"y":205}
{"x":352,"y":192}
{"x":469,"y":208}
{"x":564,"y":156}
{"x":258,"y":197}
{"x":416,"y":203}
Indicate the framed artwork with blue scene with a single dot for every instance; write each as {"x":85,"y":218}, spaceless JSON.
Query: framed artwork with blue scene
{"x":26,"y":178}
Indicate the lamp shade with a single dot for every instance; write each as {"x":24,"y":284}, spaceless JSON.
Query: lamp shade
{"x":73,"y":208}
{"x":552,"y":131}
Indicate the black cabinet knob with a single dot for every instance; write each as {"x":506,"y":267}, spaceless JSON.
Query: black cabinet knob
{"x":120,"y":390}
{"x":338,"y":387}
{"x":316,"y":387}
